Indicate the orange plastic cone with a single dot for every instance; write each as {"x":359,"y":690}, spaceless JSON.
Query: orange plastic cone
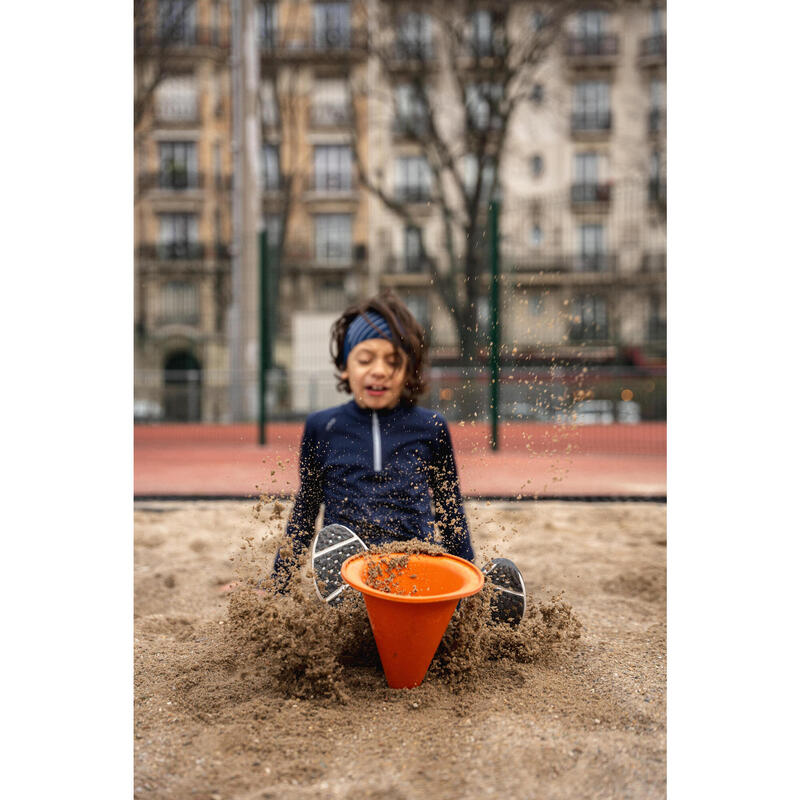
{"x":410,"y":598}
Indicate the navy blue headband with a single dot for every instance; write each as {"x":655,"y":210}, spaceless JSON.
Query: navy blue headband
{"x":360,"y":330}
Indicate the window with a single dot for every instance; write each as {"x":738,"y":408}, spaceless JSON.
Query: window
{"x":412,"y":116}
{"x":487,"y":34}
{"x":589,"y":319}
{"x":333,"y":238}
{"x":330,"y":102}
{"x":272,"y":225}
{"x":270,"y":168}
{"x":178,"y":236}
{"x":536,"y":235}
{"x":176,"y":99}
{"x":591,"y":106}
{"x":413,"y":179}
{"x":267,"y":25}
{"x":591,"y":24}
{"x":587,"y":168}
{"x":591,"y":248}
{"x":177,"y":165}
{"x":269,"y":105}
{"x":537,"y":166}
{"x":413,"y":250}
{"x":414,"y":38}
{"x":483,"y":105}
{"x":471,"y":176}
{"x":179,"y":304}
{"x":217,"y":165}
{"x":418,"y":306}
{"x":333,"y":167}
{"x":537,"y":93}
{"x":331,"y":25}
{"x":176,"y":21}
{"x":657,"y":26}
{"x":658,"y":102}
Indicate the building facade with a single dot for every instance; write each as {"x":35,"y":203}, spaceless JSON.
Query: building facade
{"x":581,"y":184}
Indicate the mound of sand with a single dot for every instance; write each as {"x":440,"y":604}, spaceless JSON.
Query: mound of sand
{"x":242,"y":695}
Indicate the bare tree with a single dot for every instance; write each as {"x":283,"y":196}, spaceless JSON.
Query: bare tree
{"x":466,"y":79}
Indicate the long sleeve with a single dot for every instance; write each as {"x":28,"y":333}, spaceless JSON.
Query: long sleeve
{"x":448,"y":505}
{"x":300,"y":527}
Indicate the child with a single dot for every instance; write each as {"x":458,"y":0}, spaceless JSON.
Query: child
{"x":380,"y":462}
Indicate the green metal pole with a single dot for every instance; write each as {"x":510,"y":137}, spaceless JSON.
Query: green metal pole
{"x":494,"y":324}
{"x":264,"y":349}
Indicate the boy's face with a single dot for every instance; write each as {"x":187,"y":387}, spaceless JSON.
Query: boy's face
{"x":376,"y":372}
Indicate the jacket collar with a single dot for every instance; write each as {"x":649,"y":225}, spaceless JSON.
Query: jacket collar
{"x":397,"y":411}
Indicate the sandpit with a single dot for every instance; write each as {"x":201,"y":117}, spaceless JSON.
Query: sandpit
{"x":238,"y":699}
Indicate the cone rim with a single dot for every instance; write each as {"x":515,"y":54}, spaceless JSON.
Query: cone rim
{"x":471,"y":587}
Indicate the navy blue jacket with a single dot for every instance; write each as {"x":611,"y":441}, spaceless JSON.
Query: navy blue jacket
{"x":388,"y":475}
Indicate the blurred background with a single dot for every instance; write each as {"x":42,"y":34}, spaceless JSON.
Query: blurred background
{"x":294,"y":156}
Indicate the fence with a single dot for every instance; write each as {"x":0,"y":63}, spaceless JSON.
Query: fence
{"x":547,"y":395}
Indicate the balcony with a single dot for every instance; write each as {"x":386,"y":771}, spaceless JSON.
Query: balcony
{"x":177,"y":180}
{"x":653,"y":50}
{"x":314,"y":43}
{"x":411,"y":54}
{"x":180,"y":38}
{"x":410,"y":127}
{"x":173,"y":251}
{"x":330,"y":115}
{"x":586,"y":331}
{"x":592,"y":51}
{"x":407,"y":265}
{"x":333,"y":185}
{"x":594,"y":262}
{"x":590,"y":195}
{"x":416,"y":193}
{"x":591,"y":122}
{"x":656,"y":121}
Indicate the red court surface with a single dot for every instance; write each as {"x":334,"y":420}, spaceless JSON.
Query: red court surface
{"x":533,"y":460}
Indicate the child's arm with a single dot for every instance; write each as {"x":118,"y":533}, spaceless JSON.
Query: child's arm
{"x":447,"y":503}
{"x":300,"y":527}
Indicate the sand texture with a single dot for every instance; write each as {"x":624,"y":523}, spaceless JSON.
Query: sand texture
{"x":242,"y":696}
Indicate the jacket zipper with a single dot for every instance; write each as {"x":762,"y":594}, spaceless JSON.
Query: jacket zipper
{"x":376,"y":444}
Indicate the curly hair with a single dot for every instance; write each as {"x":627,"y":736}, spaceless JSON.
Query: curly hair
{"x":407,"y":335}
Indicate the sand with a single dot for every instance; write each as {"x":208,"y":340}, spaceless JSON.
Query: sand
{"x":238,"y":696}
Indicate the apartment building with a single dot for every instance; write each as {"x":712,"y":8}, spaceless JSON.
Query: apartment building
{"x":182,"y":208}
{"x":581,"y":181}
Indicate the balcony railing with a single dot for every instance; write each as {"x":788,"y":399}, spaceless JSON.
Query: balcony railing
{"x":313,"y":41}
{"x":332,"y":182}
{"x":407,"y":265}
{"x":602,"y":45}
{"x":412,"y":193}
{"x":173,"y":251}
{"x":486,"y":48}
{"x":172,"y":180}
{"x":594,"y":262}
{"x":411,"y":125}
{"x":591,"y":121}
{"x":181,"y":37}
{"x":590,"y":193}
{"x":330,"y":115}
{"x":406,"y":50}
{"x":653,"y":48}
{"x":588,"y":332}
